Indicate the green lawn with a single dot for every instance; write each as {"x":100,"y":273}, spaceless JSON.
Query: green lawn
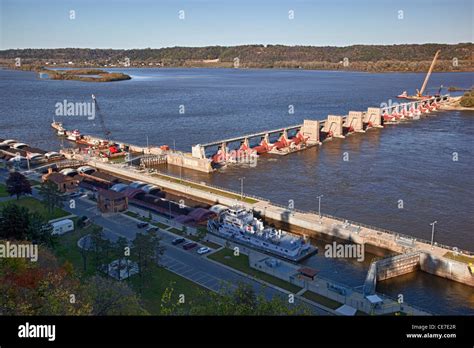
{"x":3,"y":191}
{"x":241,"y":263}
{"x":459,"y":257}
{"x":327,"y":302}
{"x":146,"y":219}
{"x":35,"y":205}
{"x":206,"y":188}
{"x":67,"y":250}
{"x":161,"y":279}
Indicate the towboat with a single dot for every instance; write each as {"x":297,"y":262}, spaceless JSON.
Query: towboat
{"x":240,"y":226}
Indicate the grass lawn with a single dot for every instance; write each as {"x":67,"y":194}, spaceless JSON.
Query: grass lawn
{"x":67,"y":250}
{"x":206,"y":188}
{"x":162,"y":278}
{"x":459,"y":257}
{"x":3,"y":191}
{"x":132,"y":214}
{"x":241,"y":263}
{"x":34,"y":182}
{"x":139,"y":217}
{"x":35,"y":205}
{"x":327,"y":302}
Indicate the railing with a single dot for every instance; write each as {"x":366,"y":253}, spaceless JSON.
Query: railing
{"x":353,"y":223}
{"x":377,"y":229}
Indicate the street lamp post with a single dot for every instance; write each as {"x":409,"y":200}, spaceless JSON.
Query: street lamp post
{"x":169,"y":206}
{"x":432,"y":232}
{"x":242,"y":188}
{"x":319,"y":205}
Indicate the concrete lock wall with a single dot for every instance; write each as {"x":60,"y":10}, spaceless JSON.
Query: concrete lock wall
{"x":311,"y":129}
{"x":374,"y":116}
{"x":446,"y":268}
{"x":355,"y":120}
{"x":334,"y":125}
{"x":198,"y":151}
{"x":186,"y":161}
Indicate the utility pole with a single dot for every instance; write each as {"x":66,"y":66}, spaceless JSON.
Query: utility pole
{"x":242,"y":188}
{"x":432,"y":232}
{"x":319,"y":205}
{"x":169,"y":206}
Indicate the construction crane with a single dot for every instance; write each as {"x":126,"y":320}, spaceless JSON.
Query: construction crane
{"x":419,"y":93}
{"x":105,"y":131}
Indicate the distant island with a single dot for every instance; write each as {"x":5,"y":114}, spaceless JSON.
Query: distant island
{"x":85,"y":75}
{"x":370,"y":58}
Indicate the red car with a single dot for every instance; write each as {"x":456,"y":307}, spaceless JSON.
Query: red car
{"x":189,"y":245}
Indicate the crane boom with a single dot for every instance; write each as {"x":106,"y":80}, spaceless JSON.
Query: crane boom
{"x":420,"y":93}
{"x":101,"y":119}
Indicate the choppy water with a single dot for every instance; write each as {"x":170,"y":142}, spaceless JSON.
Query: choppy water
{"x":412,"y":162}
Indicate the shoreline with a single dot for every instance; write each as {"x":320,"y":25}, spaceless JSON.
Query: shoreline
{"x":421,"y":71}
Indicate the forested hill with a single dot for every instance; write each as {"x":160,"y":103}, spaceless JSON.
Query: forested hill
{"x":357,"y":57}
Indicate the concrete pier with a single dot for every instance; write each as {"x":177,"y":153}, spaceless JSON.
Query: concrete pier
{"x":432,"y":258}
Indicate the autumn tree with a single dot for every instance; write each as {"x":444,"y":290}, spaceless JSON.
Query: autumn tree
{"x":112,"y":297}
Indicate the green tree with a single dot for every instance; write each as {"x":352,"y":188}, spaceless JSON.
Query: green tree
{"x":244,"y":301}
{"x":14,"y":222}
{"x":52,"y":197}
{"x":99,"y":246}
{"x":119,"y":251}
{"x":18,"y":184}
{"x":40,"y":230}
{"x":146,"y":252}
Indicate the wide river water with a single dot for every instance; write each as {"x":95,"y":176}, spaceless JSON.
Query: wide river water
{"x":411,"y":162}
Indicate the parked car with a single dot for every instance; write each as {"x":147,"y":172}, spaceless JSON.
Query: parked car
{"x":203,"y":250}
{"x":178,"y":240}
{"x":189,"y":245}
{"x":142,"y":224}
{"x":152,"y":229}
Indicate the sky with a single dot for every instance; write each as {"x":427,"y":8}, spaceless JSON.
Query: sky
{"x":156,"y":23}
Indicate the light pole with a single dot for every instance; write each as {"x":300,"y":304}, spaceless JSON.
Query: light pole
{"x":432,"y":232}
{"x":319,"y":205}
{"x":169,"y":206}
{"x":242,"y":188}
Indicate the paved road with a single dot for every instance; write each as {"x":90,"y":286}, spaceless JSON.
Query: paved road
{"x":188,"y":264}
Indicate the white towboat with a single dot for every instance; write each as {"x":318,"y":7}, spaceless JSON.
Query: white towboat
{"x":239,"y":225}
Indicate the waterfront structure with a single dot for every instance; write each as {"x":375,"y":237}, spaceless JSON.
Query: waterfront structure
{"x":109,"y":201}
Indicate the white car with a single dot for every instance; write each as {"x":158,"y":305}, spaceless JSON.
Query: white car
{"x":203,"y":250}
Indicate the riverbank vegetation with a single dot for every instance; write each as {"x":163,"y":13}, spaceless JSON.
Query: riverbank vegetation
{"x":371,"y":58}
{"x":467,"y":100}
{"x":85,"y":75}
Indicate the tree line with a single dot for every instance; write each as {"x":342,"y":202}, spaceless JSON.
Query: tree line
{"x":264,"y":56}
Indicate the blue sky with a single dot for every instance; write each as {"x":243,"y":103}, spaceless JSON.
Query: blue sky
{"x":155,"y":24}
